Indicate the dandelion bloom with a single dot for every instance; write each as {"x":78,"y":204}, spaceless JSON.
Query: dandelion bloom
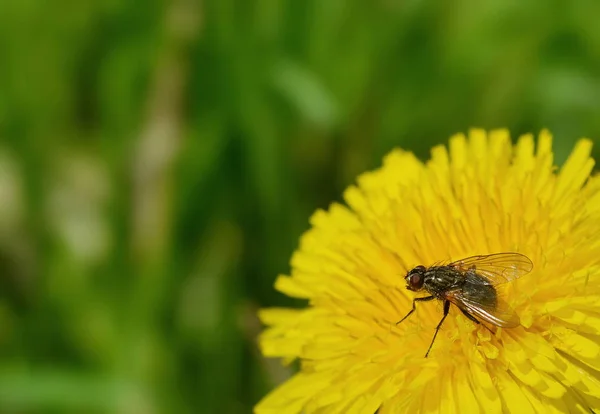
{"x":481,"y":196}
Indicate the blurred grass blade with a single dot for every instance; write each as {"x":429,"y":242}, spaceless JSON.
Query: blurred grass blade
{"x":44,"y":390}
{"x":306,"y":93}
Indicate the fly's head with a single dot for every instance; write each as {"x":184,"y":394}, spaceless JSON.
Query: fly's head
{"x":415,"y":278}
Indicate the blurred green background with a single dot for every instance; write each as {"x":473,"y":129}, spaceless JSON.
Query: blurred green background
{"x":160,"y":159}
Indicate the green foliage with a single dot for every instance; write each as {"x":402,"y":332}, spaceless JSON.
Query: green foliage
{"x":159,"y":160}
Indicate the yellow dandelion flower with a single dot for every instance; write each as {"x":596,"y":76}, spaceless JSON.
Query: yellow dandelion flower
{"x":481,"y":196}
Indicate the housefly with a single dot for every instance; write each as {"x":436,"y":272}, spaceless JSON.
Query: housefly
{"x":470,"y":284}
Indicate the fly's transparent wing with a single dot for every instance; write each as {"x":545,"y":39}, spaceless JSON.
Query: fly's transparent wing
{"x":484,"y":307}
{"x":498,"y":268}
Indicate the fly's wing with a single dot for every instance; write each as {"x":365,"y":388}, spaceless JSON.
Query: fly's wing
{"x":497,"y":268}
{"x":485,"y":306}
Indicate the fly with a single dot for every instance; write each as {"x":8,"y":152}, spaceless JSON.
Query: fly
{"x":470,"y":284}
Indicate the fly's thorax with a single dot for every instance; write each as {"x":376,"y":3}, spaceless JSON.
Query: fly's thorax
{"x":440,"y":279}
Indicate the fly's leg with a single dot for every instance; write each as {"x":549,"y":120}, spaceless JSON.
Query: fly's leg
{"x":425,"y":299}
{"x":471,"y":317}
{"x":437,"y":328}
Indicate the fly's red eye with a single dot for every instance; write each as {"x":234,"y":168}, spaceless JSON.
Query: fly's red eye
{"x":415,"y":278}
{"x":416,"y":281}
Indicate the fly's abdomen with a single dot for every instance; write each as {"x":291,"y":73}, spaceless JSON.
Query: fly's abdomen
{"x":483,"y":294}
